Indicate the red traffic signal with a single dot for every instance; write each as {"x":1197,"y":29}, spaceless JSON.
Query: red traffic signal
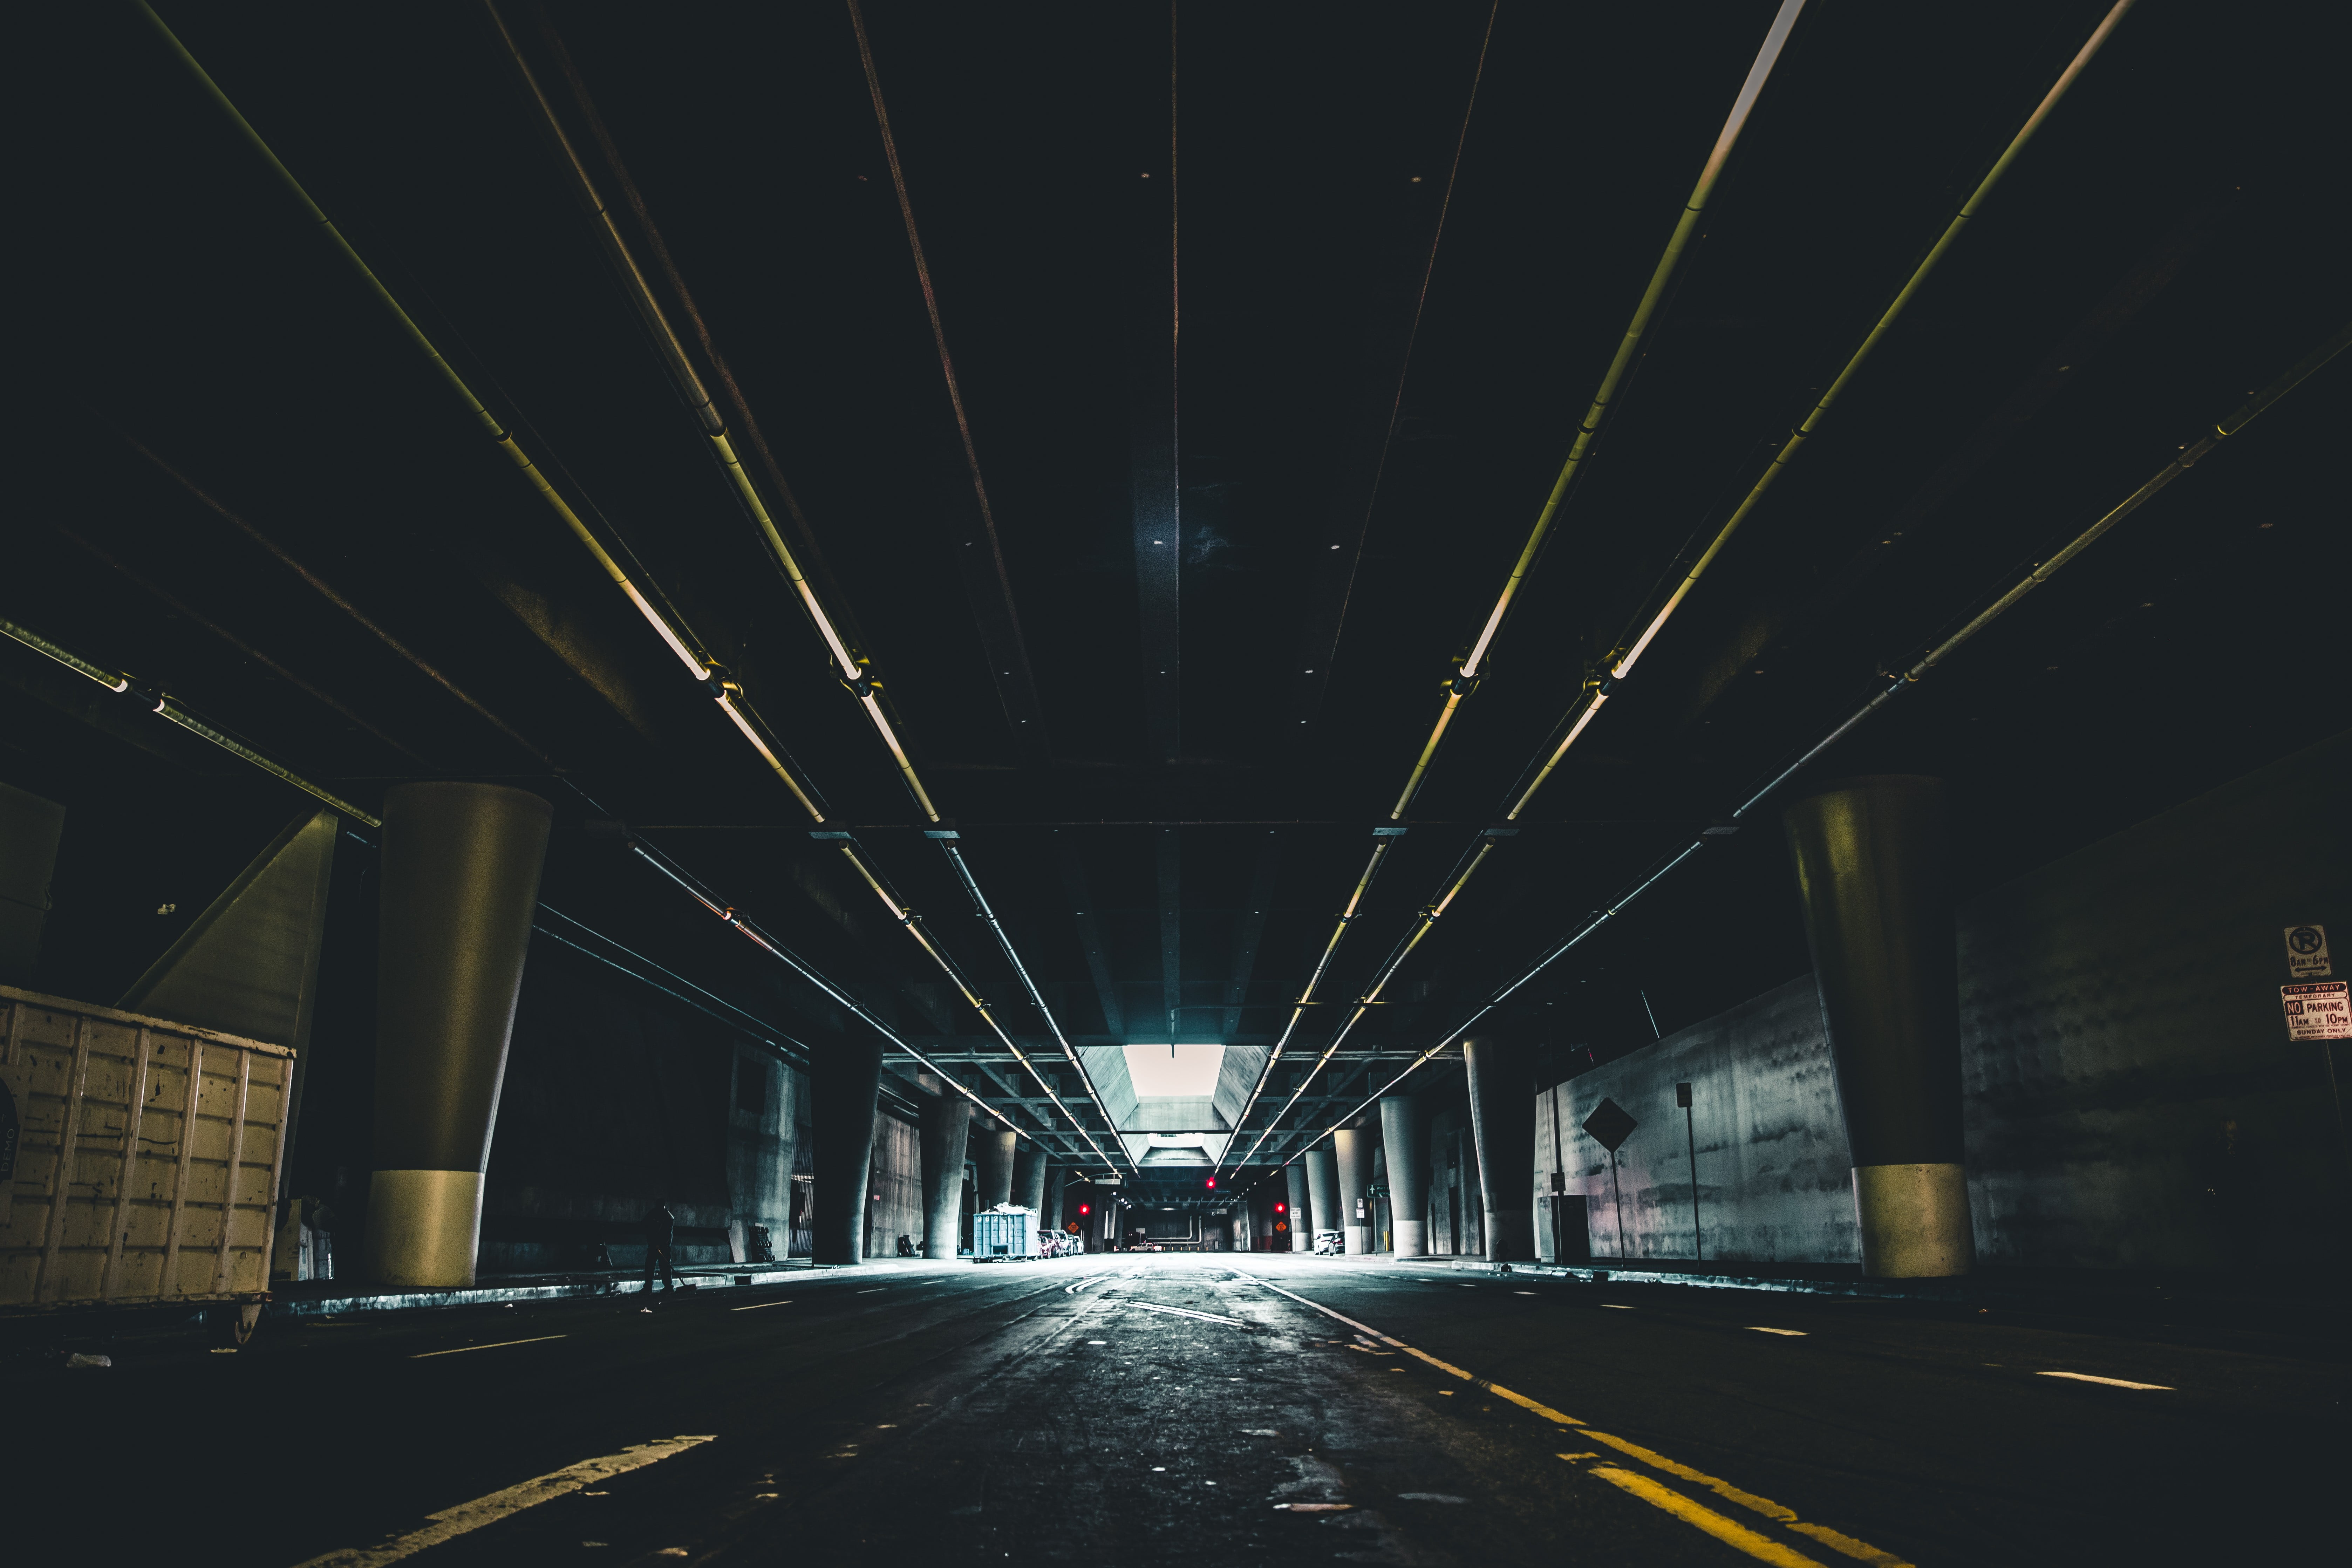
{"x":1086,"y":1208}
{"x":1213,"y":1183}
{"x":1282,"y":1208}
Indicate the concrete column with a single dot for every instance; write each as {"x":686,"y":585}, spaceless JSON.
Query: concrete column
{"x":992,"y":1175}
{"x":1404,"y":1133}
{"x":1503,"y":1121}
{"x":1049,"y":1208}
{"x":844,"y":1086}
{"x":461,"y":864}
{"x":1302,"y":1220}
{"x":1870,"y":858}
{"x":1322,"y":1191}
{"x":1353,"y":1148}
{"x":1029,"y":1178}
{"x":947,"y":1123}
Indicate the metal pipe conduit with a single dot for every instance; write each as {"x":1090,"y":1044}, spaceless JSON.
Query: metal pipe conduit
{"x":1623,"y":666}
{"x":669,"y":627}
{"x":791,"y":960}
{"x":2041,"y":572}
{"x":906,"y":916}
{"x":692,"y":390}
{"x":696,"y":397}
{"x":489,"y":422}
{"x":161,"y":704}
{"x":1467,"y":676}
{"x":1597,"y":695}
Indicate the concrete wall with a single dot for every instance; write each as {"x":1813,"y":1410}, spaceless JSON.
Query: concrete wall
{"x":2132,"y":1100}
{"x":1454,"y":1211}
{"x":895,"y":1191}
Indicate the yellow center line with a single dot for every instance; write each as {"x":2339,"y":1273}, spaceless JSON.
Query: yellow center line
{"x":756,"y":1305}
{"x":1724,"y":1529}
{"x":501,"y":1344}
{"x":1682,"y":1507}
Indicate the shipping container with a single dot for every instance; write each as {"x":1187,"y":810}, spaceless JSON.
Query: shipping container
{"x":144,"y":1161}
{"x":1005,"y":1233}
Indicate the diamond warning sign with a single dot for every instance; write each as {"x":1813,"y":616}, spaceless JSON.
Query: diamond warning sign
{"x":2319,"y":1010}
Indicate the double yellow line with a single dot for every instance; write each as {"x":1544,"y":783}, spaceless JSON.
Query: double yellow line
{"x":1691,"y":1511}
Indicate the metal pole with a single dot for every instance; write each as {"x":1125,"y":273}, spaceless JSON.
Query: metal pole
{"x":1698,"y":1245}
{"x":1617,"y":1197}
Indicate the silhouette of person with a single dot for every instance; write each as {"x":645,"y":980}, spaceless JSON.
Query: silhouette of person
{"x":661,"y":1229}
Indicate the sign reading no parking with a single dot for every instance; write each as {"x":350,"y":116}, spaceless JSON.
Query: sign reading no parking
{"x":2320,"y":1011}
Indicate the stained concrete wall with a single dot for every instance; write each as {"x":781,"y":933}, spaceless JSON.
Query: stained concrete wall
{"x":1455,"y":1201}
{"x":895,"y":1191}
{"x":2132,"y":1100}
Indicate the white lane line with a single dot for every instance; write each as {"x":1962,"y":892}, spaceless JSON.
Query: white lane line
{"x":2110,"y":1381}
{"x":452,"y":1522}
{"x":869,"y":1292}
{"x":1188,"y":1312}
{"x":1617,"y":1306}
{"x":501,"y":1344}
{"x":1760,"y":1328}
{"x":1081,"y":1285}
{"x":756,"y":1306}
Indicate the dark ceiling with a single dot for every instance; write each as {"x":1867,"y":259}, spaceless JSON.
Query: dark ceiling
{"x":1192,"y":275}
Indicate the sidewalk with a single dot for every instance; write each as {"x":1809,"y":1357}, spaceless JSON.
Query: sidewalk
{"x":2296,"y":1303}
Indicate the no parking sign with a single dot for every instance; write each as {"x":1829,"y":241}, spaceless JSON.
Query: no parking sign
{"x":2319,"y":1010}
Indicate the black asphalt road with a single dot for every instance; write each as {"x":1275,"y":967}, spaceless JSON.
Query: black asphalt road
{"x":1245,"y":1409}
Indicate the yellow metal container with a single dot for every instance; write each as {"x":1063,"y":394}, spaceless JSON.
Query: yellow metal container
{"x":146,"y":1158}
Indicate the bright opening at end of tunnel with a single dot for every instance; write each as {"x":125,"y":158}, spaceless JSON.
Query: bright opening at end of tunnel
{"x":1174,"y":1072}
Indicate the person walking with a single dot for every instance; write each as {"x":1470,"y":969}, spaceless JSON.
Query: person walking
{"x":661,"y":1229}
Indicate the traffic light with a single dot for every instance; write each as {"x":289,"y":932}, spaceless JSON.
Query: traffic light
{"x":1212,"y":1184}
{"x":1086,"y":1208}
{"x":1282,"y":1208}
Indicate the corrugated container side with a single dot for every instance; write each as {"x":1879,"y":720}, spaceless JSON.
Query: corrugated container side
{"x":148,"y":1155}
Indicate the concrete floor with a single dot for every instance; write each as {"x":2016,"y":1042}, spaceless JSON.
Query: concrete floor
{"x":1120,"y":1410}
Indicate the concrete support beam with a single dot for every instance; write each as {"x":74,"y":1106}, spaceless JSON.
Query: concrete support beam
{"x":1352,"y":1149}
{"x":1404,"y":1134}
{"x":1870,"y":858}
{"x":947,"y":1125}
{"x":845,"y":1086}
{"x":461,"y":864}
{"x":992,"y":1175}
{"x":1322,"y":1190}
{"x":1301,"y":1217}
{"x":1503,"y":1121}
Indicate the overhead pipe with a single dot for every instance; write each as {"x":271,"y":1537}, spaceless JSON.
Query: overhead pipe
{"x":668,"y":626}
{"x":1466,"y":676}
{"x":1599,"y":692}
{"x":2189,"y":456}
{"x":162,"y":702}
{"x":698,"y":401}
{"x":906,"y":916}
{"x":697,"y":397}
{"x":774,"y":949}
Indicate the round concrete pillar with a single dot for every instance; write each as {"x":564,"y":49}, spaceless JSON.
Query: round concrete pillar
{"x":1322,"y":1191}
{"x":1352,"y":1149}
{"x":844,"y":1086}
{"x":1503,"y":1123}
{"x":946,"y":1128}
{"x":1301,"y":1235}
{"x":1029,"y":1179}
{"x":1404,"y":1134}
{"x":991,"y":1160}
{"x":461,"y":864}
{"x":1870,"y":858}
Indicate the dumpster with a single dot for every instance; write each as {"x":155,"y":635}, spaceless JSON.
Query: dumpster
{"x":143,"y":1167}
{"x":1005,"y":1232}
